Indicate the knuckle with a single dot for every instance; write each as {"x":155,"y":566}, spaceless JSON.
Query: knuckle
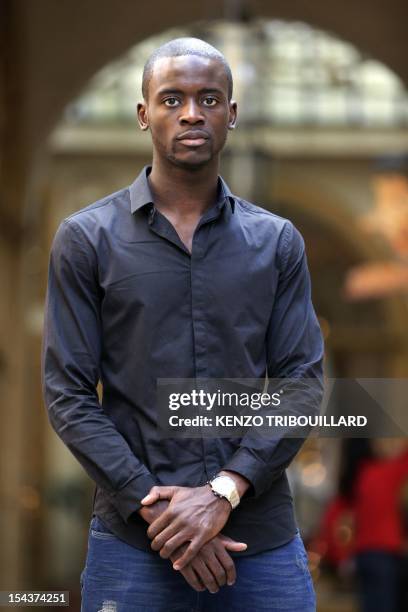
{"x":204,"y":554}
{"x":184,"y":522}
{"x":219,"y":576}
{"x":194,"y":548}
{"x":165,"y":551}
{"x":154,"y":545}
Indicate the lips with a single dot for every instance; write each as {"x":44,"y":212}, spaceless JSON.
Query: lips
{"x":192,"y":135}
{"x":193,"y":138}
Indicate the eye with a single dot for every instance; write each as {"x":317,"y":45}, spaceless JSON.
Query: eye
{"x":210,"y":101}
{"x":171,"y":102}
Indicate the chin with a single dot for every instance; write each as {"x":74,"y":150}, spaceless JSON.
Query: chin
{"x":191,"y":164}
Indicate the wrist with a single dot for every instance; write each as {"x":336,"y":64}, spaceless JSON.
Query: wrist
{"x":241,"y":483}
{"x":216,"y":498}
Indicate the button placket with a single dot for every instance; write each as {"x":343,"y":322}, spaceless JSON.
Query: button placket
{"x":198,"y":302}
{"x":161,"y":226}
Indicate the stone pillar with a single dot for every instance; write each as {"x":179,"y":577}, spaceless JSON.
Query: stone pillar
{"x":13,"y":431}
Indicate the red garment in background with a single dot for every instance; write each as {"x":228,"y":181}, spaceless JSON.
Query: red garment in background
{"x":335,"y":541}
{"x":377,"y":507}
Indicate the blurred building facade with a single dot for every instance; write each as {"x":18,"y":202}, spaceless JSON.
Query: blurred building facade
{"x":322,"y":98}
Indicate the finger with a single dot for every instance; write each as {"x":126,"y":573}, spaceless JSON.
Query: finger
{"x":230,"y":544}
{"x":160,"y":540}
{"x":213,"y":564}
{"x":192,"y":578}
{"x":189,"y":554}
{"x":173,"y":543}
{"x":177,"y":553}
{"x":227,"y":563}
{"x":205,"y":575}
{"x":157,"y":493}
{"x":162,"y":521}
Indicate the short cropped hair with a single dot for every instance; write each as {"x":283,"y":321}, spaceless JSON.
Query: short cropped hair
{"x":184,"y":46}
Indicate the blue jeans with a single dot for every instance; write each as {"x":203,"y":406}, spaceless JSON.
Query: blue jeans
{"x":120,"y":578}
{"x":379,"y":574}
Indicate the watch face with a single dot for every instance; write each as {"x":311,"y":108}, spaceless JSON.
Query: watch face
{"x":223,"y":488}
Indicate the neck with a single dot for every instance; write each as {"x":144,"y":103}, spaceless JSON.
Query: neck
{"x":183,"y":189}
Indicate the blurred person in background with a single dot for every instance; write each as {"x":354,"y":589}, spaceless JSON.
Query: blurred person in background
{"x":363,"y":531}
{"x":380,"y":529}
{"x":334,"y":541}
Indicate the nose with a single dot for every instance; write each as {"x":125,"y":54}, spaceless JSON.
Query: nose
{"x":191,"y":113}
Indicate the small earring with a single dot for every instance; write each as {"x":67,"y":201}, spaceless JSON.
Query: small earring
{"x":231,"y":127}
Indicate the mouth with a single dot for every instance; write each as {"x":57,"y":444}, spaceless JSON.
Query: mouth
{"x":193,"y":138}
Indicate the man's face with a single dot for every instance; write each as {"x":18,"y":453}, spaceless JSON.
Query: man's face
{"x":187,"y":111}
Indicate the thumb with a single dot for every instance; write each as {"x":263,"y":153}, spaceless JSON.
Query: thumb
{"x":231,"y":544}
{"x":157,"y":493}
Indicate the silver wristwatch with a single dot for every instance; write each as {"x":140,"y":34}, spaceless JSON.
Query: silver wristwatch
{"x":224,"y":486}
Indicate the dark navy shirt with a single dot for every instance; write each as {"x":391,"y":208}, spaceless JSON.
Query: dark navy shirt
{"x":128,"y":304}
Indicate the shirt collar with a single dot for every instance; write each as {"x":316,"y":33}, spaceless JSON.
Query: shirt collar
{"x":140,"y":192}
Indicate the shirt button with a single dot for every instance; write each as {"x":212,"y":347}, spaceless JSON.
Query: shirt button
{"x":151,"y":214}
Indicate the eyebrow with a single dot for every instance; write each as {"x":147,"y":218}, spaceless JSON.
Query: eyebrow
{"x":171,"y":90}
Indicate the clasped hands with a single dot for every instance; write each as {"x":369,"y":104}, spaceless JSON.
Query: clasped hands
{"x":184,"y":526}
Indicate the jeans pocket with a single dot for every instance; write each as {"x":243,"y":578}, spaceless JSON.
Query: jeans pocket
{"x":99,"y":530}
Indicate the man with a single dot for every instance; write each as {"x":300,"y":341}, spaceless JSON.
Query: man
{"x":176,"y":277}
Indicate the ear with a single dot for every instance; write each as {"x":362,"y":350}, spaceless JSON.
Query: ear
{"x":232,"y":115}
{"x":142,"y":116}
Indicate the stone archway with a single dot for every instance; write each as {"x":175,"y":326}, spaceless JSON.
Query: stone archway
{"x":363,"y":339}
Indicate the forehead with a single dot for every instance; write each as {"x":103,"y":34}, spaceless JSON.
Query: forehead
{"x":188,"y":72}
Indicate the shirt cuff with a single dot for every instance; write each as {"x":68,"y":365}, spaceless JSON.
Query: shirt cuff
{"x":255,"y":470}
{"x":127,"y":500}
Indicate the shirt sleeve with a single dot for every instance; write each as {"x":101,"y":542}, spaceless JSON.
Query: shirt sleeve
{"x":71,"y":354}
{"x":294,"y":349}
